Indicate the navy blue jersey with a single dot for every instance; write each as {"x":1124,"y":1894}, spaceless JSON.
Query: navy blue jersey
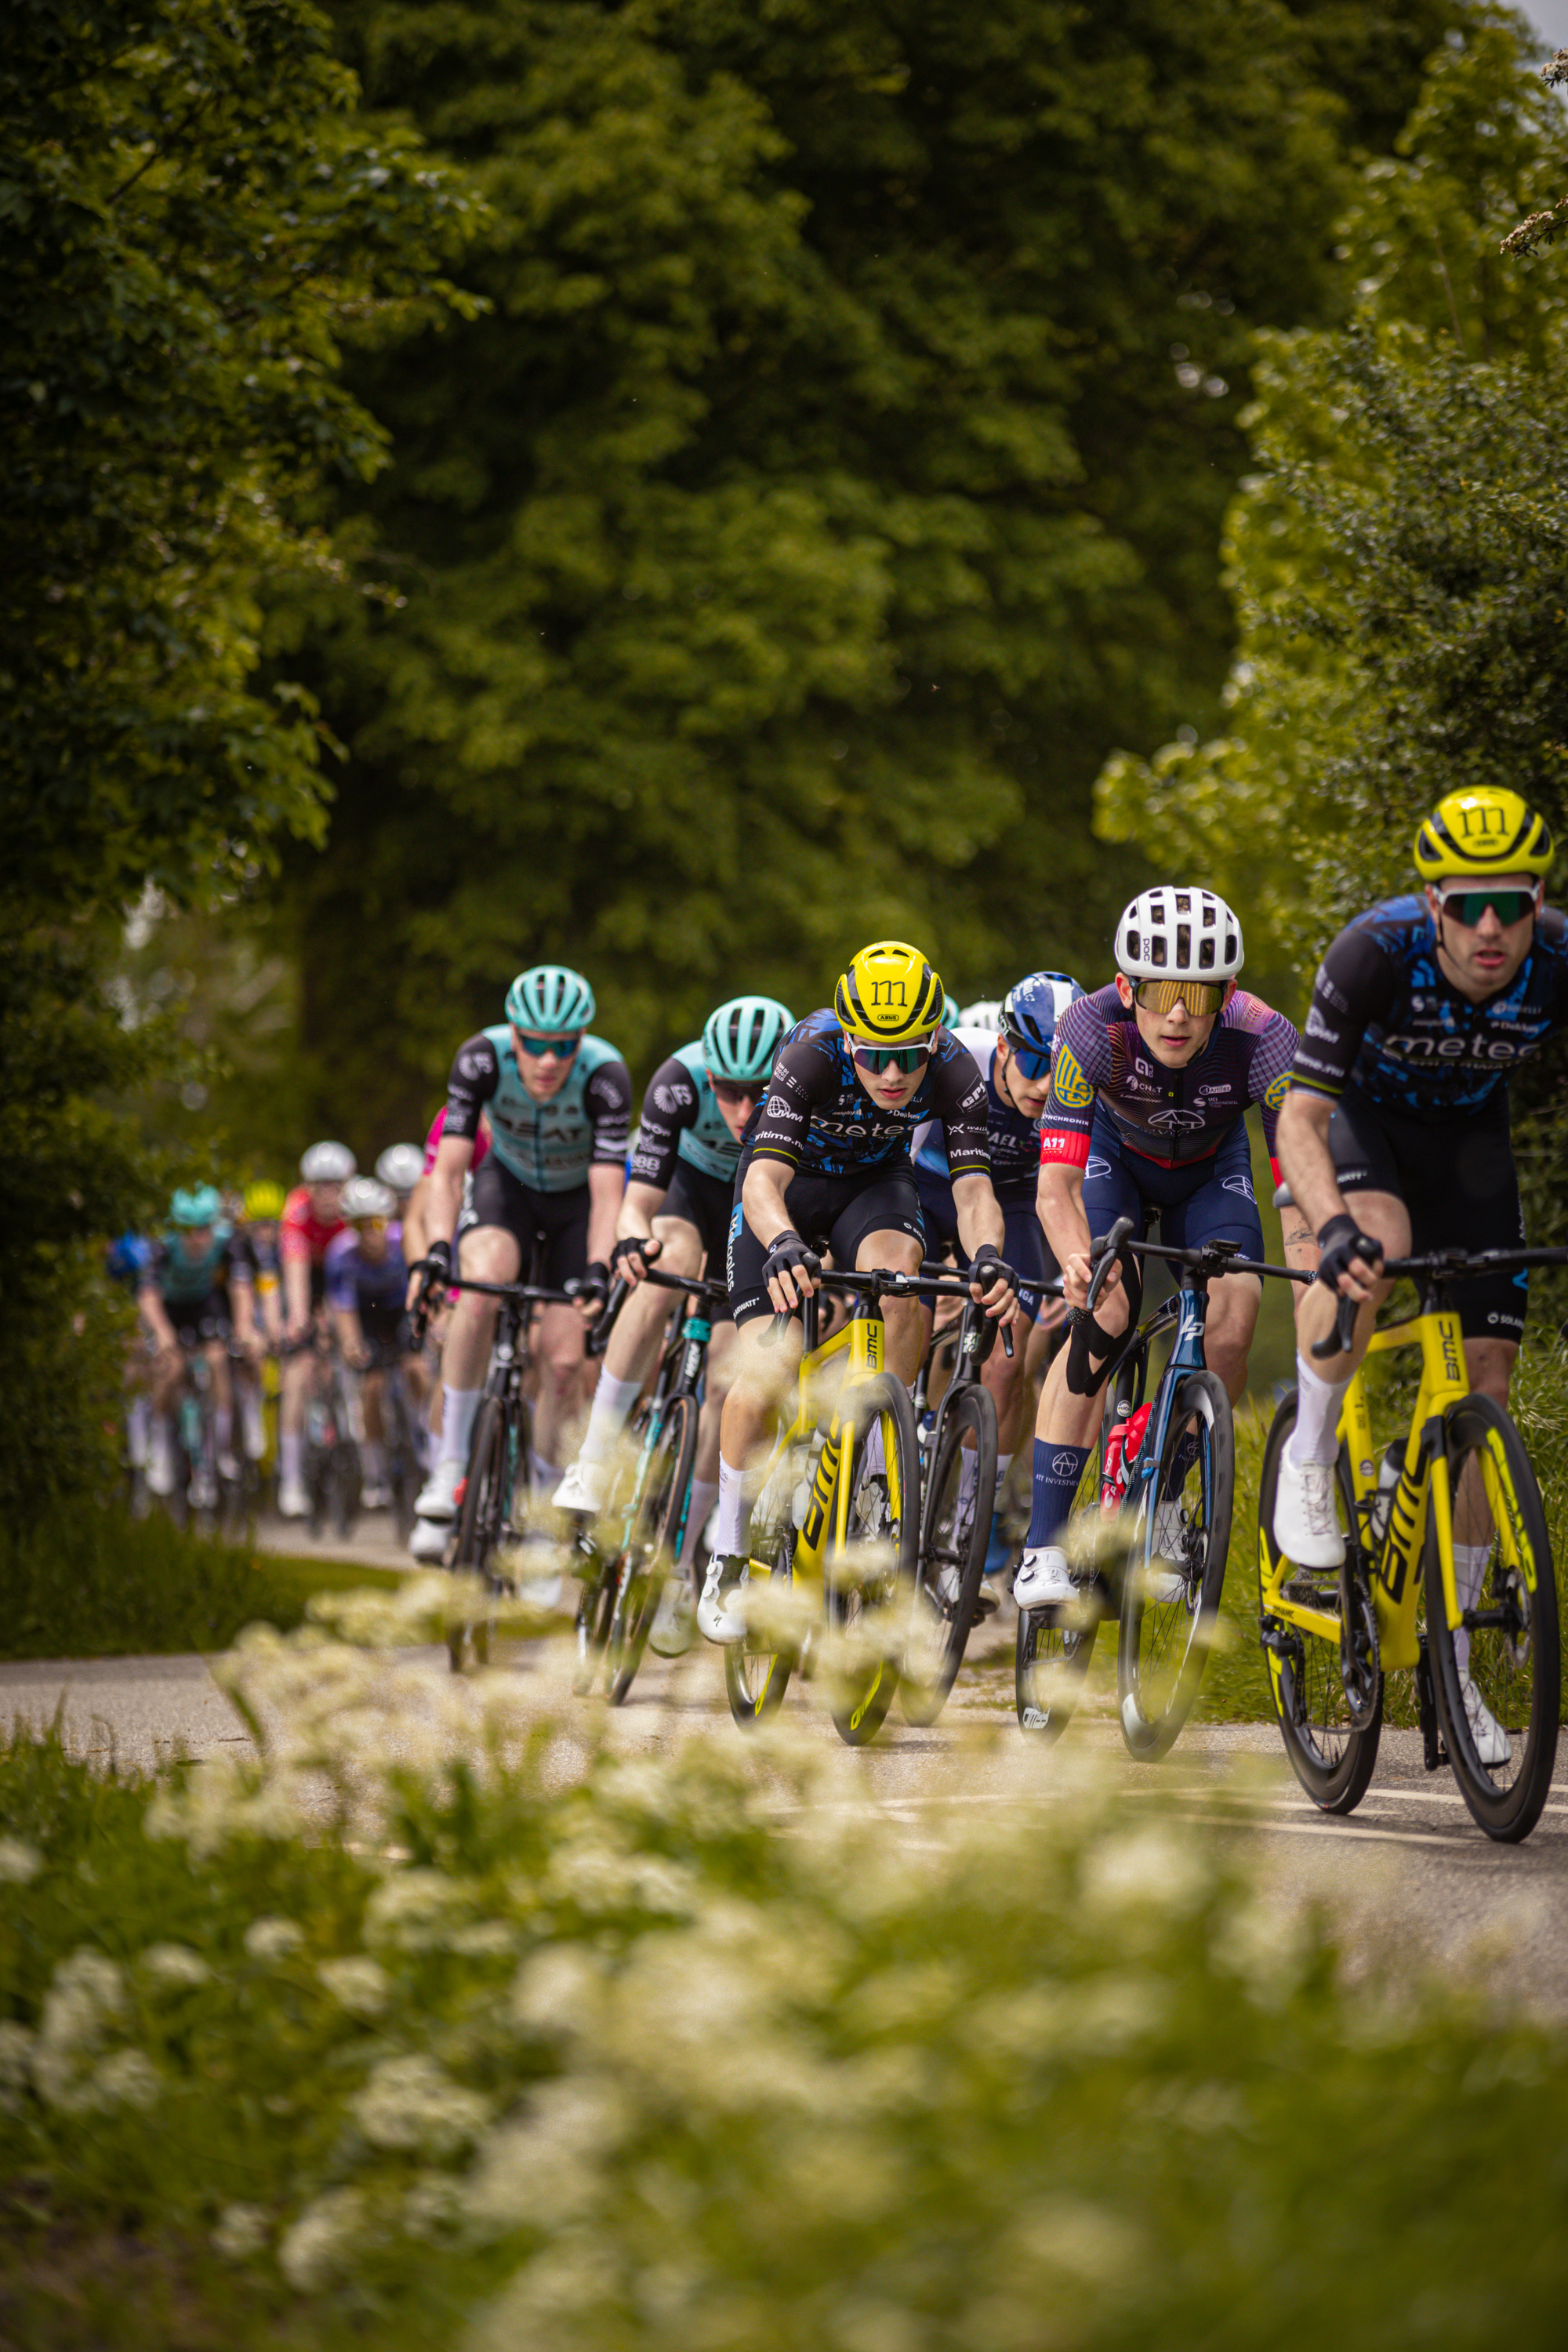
{"x":356,"y":1282}
{"x":817,"y":1116}
{"x":1014,"y":1140}
{"x":1385,"y":1019}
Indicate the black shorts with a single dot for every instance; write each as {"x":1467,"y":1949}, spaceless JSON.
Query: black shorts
{"x":837,"y":1211}
{"x":198,"y":1320}
{"x":1457,"y":1179}
{"x":704,"y":1202}
{"x":558,"y":1222}
{"x":1023,"y":1246}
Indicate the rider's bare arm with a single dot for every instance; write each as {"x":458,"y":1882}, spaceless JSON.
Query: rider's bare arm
{"x":979,"y":1220}
{"x":454,"y":1157}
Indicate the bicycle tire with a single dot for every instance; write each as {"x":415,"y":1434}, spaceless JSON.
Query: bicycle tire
{"x":478,"y":1522}
{"x":951,"y":1550}
{"x":402,"y":1458}
{"x":757,"y":1671}
{"x":1516,"y":1665}
{"x":1054,"y":1648}
{"x":869,"y":1612}
{"x":1331,"y":1755}
{"x":1164,"y":1639}
{"x":657,"y":1516}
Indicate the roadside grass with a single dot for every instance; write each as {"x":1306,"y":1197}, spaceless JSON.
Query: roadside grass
{"x":439,"y":2025}
{"x":93,"y":1582}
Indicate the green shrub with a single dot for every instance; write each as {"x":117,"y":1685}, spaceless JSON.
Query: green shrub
{"x":449,"y":2027}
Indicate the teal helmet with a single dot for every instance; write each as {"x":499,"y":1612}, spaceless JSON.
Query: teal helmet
{"x":742,"y":1038}
{"x":950,"y":1012}
{"x":197,"y":1205}
{"x":547,"y":997}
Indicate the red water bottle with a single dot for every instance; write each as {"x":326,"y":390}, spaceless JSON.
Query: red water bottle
{"x":1112,"y":1477}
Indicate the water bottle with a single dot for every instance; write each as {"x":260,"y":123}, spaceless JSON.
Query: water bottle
{"x":1388,"y":1473}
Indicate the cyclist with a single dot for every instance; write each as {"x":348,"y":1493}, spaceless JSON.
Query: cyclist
{"x":558,"y":1102}
{"x":313,"y":1217}
{"x":1394,"y":1135}
{"x":1150,"y":1082}
{"x":366,"y":1282}
{"x":126,"y":1261}
{"x":828,"y":1154}
{"x":263,"y":1203}
{"x":1014,"y":1060}
{"x":677,"y":1209}
{"x":195,"y":1287}
{"x":399,"y":1168}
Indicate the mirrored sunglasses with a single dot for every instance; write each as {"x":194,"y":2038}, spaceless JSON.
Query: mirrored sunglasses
{"x":904,"y":1058}
{"x":1030,"y":1062}
{"x":1199,"y":996}
{"x":1467,"y":906}
{"x":727,"y":1091}
{"x":562,"y":1047}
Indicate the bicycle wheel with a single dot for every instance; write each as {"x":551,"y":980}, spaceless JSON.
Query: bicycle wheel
{"x":871,"y":1585}
{"x":757,"y":1670}
{"x":1170,"y":1597}
{"x":658,"y":1518}
{"x":1509,"y":1660}
{"x":1327,"y":1695}
{"x":1054,"y":1647}
{"x":480,"y":1516}
{"x":402,"y":1459}
{"x":955,"y":1531}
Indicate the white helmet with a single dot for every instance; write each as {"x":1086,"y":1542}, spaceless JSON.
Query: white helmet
{"x":1176,"y":934}
{"x":328,"y":1163}
{"x":401,"y":1165}
{"x":985,"y":1014}
{"x":367,"y":1196}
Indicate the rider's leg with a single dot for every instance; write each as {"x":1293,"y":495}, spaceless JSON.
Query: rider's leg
{"x":1322,"y":1381}
{"x":558,"y":1357}
{"x":1233,"y":1302}
{"x":486,"y":1253}
{"x":763,"y":1372}
{"x":217,"y":1354}
{"x":903,"y":1319}
{"x":1068,"y":1423}
{"x":634,"y":1344}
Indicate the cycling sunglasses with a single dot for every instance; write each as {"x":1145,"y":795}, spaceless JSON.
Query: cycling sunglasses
{"x":1467,"y":906}
{"x":1199,"y":996}
{"x":372,"y":1224}
{"x":875,"y":1059}
{"x":1031,"y":1062}
{"x":562,"y":1047}
{"x":726,"y":1091}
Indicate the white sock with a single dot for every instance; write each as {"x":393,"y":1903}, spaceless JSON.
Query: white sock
{"x":223,"y":1427}
{"x":1314,"y":1437}
{"x":545,"y":1477}
{"x":136,"y":1421}
{"x":255,"y":1427}
{"x":1470,"y":1573}
{"x":730,"y":1534}
{"x":459,"y":1409}
{"x":876,"y":1459}
{"x":1003,"y":1464}
{"x":372,"y":1462}
{"x":703,"y":1498}
{"x":291,"y":1455}
{"x":611,"y":1410}
{"x":161,"y":1429}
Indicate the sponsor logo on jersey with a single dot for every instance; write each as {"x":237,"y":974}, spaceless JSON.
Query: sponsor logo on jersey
{"x":1059,"y":1144}
{"x":666,"y":1099}
{"x":1324,"y":987}
{"x":1408,"y":1047}
{"x":1242,"y":1184}
{"x":1071,"y":1088}
{"x":1175,"y":1121}
{"x":1280,"y":1088}
{"x":1226,"y":1090}
{"x":1095,"y":1166}
{"x":473,"y":1066}
{"x":1318,"y":1027}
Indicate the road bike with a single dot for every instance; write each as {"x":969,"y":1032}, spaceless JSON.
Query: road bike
{"x":623,"y":1583}
{"x":399,"y":1429}
{"x":1160,"y":1521}
{"x":1330,"y":1637}
{"x":839,"y":1507}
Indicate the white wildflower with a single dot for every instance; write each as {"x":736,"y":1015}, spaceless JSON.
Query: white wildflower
{"x":546,"y":2168}
{"x":126,"y":2078}
{"x":87,"y":1992}
{"x":357,"y":1983}
{"x":1148,"y":1870}
{"x":273,"y":1939}
{"x":435,"y":2206}
{"x":20,"y":1862}
{"x":412,"y":1909}
{"x":16,"y":2064}
{"x":240,"y":2232}
{"x":560,"y":1990}
{"x":173,"y":1967}
{"x":411,"y":2102}
{"x":316,"y":2250}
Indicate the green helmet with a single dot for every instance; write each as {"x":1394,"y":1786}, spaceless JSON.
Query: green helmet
{"x":197,"y":1205}
{"x":547,"y":997}
{"x":950,"y":1012}
{"x":742,"y":1038}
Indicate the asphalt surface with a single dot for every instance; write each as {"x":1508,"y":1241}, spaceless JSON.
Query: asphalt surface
{"x":1410,"y":1869}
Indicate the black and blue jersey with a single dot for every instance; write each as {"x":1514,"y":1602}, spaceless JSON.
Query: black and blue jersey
{"x":818,"y":1118}
{"x":1384,"y":1021}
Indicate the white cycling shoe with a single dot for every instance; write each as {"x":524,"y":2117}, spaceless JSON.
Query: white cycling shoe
{"x":438,"y":1498}
{"x":293,"y":1503}
{"x":1492,"y":1743}
{"x":674,"y":1627}
{"x":429,"y":1539}
{"x":160,"y":1464}
{"x":1306,"y":1525}
{"x":375,"y":1496}
{"x":1044,"y":1580}
{"x":716,"y":1619}
{"x":583,"y":1488}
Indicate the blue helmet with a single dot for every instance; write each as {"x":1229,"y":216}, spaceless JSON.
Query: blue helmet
{"x":1030,"y":1011}
{"x":198,"y":1204}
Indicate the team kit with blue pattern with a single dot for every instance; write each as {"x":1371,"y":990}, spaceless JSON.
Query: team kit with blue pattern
{"x":1013,"y":1143}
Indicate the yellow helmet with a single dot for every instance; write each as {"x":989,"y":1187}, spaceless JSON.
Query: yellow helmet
{"x":1488,"y":831}
{"x":264,"y":1201}
{"x":888,"y":996}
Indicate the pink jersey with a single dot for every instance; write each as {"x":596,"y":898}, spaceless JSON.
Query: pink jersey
{"x":303,"y":1236}
{"x":437,"y":1129}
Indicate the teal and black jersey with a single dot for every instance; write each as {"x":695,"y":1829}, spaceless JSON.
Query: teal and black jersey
{"x":547,"y":1146}
{"x":182,"y":1280}
{"x":681,"y":1121}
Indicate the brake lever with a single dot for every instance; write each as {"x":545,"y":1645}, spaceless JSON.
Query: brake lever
{"x":1343,"y":1339}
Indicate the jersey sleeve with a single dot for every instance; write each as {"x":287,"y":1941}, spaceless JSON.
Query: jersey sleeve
{"x":668,"y":1107}
{"x":803,"y":1077}
{"x":607,"y":1099}
{"x":959,"y":1100}
{"x":294,"y":1228}
{"x":476,"y":1073}
{"x":1269,"y":1073}
{"x":1080,"y":1062}
{"x":341,"y":1290}
{"x":238,"y":1261}
{"x":1355,"y":985}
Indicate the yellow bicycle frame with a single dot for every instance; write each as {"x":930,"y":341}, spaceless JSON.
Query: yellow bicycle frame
{"x":1423,"y":1486}
{"x":825,"y":1530}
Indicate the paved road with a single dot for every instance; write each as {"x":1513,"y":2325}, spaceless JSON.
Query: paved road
{"x":1409,"y":1867}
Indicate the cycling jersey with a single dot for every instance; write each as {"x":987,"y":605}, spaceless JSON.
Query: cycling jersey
{"x":818,"y":1118}
{"x":128,"y":1260}
{"x":547,"y":1146}
{"x":355,"y":1283}
{"x":303,"y":1236}
{"x":1167,"y":1116}
{"x":681,"y":1121}
{"x":1383,"y":1018}
{"x":438,"y":1128}
{"x":184,"y":1281}
{"x":1014,"y":1140}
